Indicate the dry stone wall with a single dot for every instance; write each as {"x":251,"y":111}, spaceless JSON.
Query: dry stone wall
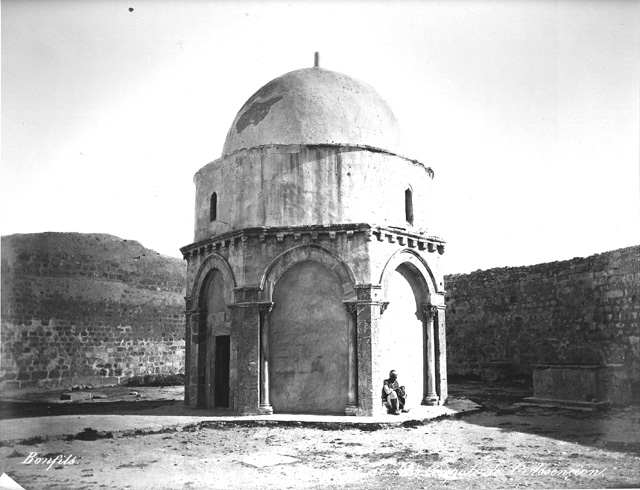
{"x":88,"y":309}
{"x":579,"y":311}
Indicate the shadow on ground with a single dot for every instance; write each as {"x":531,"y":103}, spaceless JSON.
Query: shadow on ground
{"x":13,"y":410}
{"x":111,"y":400}
{"x":615,"y":429}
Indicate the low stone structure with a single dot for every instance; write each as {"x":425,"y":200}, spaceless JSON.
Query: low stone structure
{"x":88,"y":309}
{"x":588,"y":385}
{"x":579,"y":312}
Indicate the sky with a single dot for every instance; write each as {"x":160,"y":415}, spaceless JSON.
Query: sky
{"x":527,"y":111}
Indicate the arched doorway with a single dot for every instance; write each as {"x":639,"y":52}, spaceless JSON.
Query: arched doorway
{"x":214,"y":344}
{"x":309,"y":341}
{"x":402,"y":332}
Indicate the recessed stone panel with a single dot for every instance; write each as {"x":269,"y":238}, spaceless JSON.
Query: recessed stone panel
{"x":309,"y":342}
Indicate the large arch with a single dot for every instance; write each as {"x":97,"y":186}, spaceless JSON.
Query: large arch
{"x":408,"y":341}
{"x":309,"y":337}
{"x":308,"y":342}
{"x":213,"y":293}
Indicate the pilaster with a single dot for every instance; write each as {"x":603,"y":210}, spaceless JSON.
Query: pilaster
{"x":369,"y":308}
{"x":265,"y":404}
{"x":192,"y":393}
{"x":352,"y":396}
{"x":245,"y":322}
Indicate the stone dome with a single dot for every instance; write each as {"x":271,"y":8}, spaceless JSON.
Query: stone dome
{"x":314,"y":106}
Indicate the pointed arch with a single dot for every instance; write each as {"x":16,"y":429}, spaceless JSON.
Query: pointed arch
{"x":211,"y":262}
{"x":295,"y":255}
{"x":415,"y":261}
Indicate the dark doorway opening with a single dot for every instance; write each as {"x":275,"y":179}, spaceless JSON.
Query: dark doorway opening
{"x":222,"y":357}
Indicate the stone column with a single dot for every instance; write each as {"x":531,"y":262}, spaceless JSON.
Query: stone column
{"x":245,"y":322}
{"x":352,"y":397}
{"x":441,"y":359}
{"x":265,"y":404}
{"x":369,"y":309}
{"x":431,"y":396}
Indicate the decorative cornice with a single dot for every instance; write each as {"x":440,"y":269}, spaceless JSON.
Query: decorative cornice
{"x":231,"y":239}
{"x":408,"y":239}
{"x":380,"y":233}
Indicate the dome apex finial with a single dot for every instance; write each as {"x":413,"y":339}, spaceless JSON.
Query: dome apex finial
{"x":316,"y":59}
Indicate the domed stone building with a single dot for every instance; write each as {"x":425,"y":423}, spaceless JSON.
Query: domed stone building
{"x":312,"y":273}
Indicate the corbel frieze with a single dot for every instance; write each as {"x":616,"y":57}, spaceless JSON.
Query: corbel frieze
{"x":405,"y":238}
{"x":313,"y":234}
{"x":226,"y":242}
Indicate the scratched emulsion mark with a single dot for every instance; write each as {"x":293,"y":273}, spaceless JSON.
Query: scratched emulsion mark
{"x":256,"y":113}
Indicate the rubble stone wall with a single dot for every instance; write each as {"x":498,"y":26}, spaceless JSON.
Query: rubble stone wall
{"x":88,"y":309}
{"x":579,"y":311}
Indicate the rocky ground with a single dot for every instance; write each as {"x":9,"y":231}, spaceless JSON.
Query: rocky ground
{"x":502,"y":446}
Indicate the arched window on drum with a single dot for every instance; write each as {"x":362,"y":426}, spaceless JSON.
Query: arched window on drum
{"x":408,"y":205}
{"x":213,"y":207}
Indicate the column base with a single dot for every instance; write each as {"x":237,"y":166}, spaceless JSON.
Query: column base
{"x":430,"y":400}
{"x":265,"y":409}
{"x":351,"y":410}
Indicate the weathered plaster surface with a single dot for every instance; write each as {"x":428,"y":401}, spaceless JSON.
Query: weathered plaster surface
{"x":305,"y":185}
{"x":314,"y":106}
{"x":309,"y":328}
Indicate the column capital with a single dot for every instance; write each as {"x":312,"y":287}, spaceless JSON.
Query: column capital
{"x":354,"y":306}
{"x":429,"y":310}
{"x":383,"y":306}
{"x":265,"y":307}
{"x":188,"y":301}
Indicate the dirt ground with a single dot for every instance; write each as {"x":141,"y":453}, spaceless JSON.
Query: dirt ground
{"x":502,"y":446}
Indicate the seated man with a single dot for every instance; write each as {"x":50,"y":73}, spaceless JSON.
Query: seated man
{"x":393,"y":395}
